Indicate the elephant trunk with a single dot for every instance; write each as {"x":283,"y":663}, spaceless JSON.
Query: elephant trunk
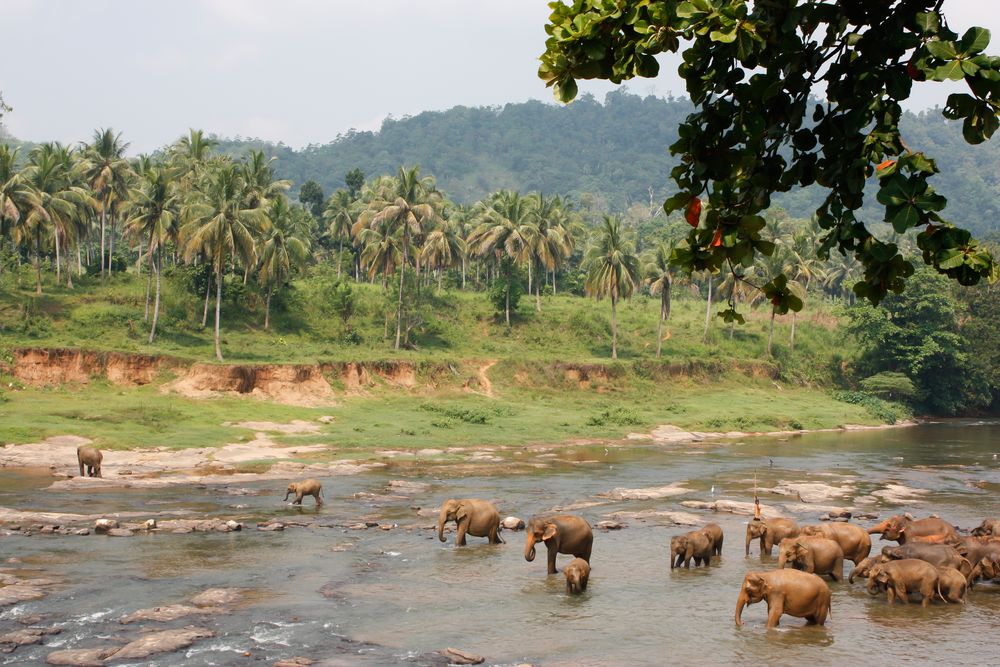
{"x":748,"y":541}
{"x":740,"y":604}
{"x":529,"y":548}
{"x":878,"y":529}
{"x":782,"y":559}
{"x":441,"y":520}
{"x":287,"y":493}
{"x":872,"y":585}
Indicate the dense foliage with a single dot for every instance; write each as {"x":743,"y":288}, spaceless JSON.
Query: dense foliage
{"x":751,"y":70}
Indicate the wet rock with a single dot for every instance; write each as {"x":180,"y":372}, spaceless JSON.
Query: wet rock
{"x":125,"y":472}
{"x":216,"y":597}
{"x":388,"y":526}
{"x":182,"y":531}
{"x":120,"y":532}
{"x":408,"y":487}
{"x":297,"y":661}
{"x":648,"y":493}
{"x":80,"y":657}
{"x":609,"y":525}
{"x":25,"y":637}
{"x":371,"y":524}
{"x":149,"y":524}
{"x":659,"y":517}
{"x":30,"y":619}
{"x":458,"y":657}
{"x":104,"y":525}
{"x":271,"y":527}
{"x":20,"y":592}
{"x":170,"y":612}
{"x":234,"y":525}
{"x":160,"y":642}
{"x":222,"y":528}
{"x":811,"y":492}
{"x":732,"y":506}
{"x":47,"y":530}
{"x":512,"y":523}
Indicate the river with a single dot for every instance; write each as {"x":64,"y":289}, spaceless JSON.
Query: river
{"x":384,"y":597}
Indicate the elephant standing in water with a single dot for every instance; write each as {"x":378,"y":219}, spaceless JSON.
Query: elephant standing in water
{"x":770,"y":532}
{"x":90,"y":458}
{"x":899,"y":578}
{"x":307,"y":487}
{"x":901,"y":528}
{"x":695,"y":545}
{"x":940,"y":555}
{"x":852,"y":538}
{"x":816,"y":555}
{"x":791,"y":592}
{"x":562,"y":534}
{"x":478,"y":518}
{"x":577,"y":573}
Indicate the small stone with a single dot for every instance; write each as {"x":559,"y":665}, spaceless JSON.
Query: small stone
{"x":371,"y":524}
{"x":388,"y":526}
{"x":150,"y":524}
{"x":85,"y":657}
{"x":182,"y":531}
{"x":610,"y":525}
{"x":47,"y":530}
{"x":120,"y":532}
{"x":512,"y":523}
{"x":126,"y":471}
{"x":457,"y":657}
{"x":82,"y":531}
{"x":326,"y":419}
{"x":297,"y":661}
{"x":223,"y":528}
{"x":234,"y":525}
{"x":358,"y":526}
{"x":216,"y":597}
{"x":271,"y":527}
{"x":104,"y":525}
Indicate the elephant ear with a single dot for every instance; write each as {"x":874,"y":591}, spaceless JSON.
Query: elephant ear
{"x":461,"y":512}
{"x":550,"y":531}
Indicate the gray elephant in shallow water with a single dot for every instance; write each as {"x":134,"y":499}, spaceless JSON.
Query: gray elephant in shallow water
{"x":90,"y":458}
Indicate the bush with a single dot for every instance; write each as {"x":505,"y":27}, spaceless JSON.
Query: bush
{"x":882,"y":410}
{"x":615,"y":416}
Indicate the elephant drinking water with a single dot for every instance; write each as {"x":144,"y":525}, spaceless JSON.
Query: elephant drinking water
{"x":478,"y":518}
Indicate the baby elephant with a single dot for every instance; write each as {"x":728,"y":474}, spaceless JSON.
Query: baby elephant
{"x":694,"y":545}
{"x":714,"y":533}
{"x":863,"y":568}
{"x":577,"y":573}
{"x":791,"y":592}
{"x":307,"y":487}
{"x":952,"y":585}
{"x":90,"y":458}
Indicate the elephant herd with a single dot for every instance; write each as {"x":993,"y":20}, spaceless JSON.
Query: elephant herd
{"x":932,"y":560}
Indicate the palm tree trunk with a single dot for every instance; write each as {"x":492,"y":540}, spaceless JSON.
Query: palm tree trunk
{"x":659,"y":335}
{"x":340,"y":256}
{"x":104,"y":217}
{"x":553,"y":282}
{"x":614,"y":325}
{"x":708,"y":309}
{"x":69,"y":270}
{"x":664,"y":314}
{"x":158,"y":267}
{"x":464,"y":261}
{"x":506,"y":307}
{"x":792,"y":338}
{"x":208,"y":291}
{"x":770,"y":334}
{"x":399,"y":299}
{"x":218,"y":310}
{"x":38,"y":262}
{"x":149,"y":278}
{"x":111,"y":243}
{"x":55,"y":235}
{"x":267,"y":310}
{"x":79,"y":262}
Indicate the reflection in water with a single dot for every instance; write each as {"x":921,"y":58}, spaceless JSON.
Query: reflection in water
{"x":376,"y":597}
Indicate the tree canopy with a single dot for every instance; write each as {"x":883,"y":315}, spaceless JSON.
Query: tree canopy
{"x":752,"y":71}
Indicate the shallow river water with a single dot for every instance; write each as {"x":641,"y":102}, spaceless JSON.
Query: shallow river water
{"x":385,"y":597}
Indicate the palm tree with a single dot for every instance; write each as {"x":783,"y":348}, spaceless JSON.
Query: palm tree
{"x":340,"y":215}
{"x":443,"y":248}
{"x":154,"y":215}
{"x":281,"y":252}
{"x":17,"y":197}
{"x":406,"y":208}
{"x":108,"y":174}
{"x":220,"y":223}
{"x":613,"y":270}
{"x":553,"y":243}
{"x":659,"y":275}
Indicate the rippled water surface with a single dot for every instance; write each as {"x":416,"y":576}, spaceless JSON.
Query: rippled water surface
{"x":386,"y":596}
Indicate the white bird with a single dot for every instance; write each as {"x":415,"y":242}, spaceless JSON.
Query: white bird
{"x":606,"y":452}
{"x":713,"y":490}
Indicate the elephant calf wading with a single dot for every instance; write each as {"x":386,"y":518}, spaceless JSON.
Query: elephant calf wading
{"x":899,"y":578}
{"x":852,"y":538}
{"x":90,"y":458}
{"x":307,"y":487}
{"x":863,"y":568}
{"x":714,"y":533}
{"x":562,"y":534}
{"x":817,"y":555}
{"x":478,"y":518}
{"x":952,"y":585}
{"x":940,"y":555}
{"x":695,"y":545}
{"x":770,"y":532}
{"x":577,"y":573}
{"x":791,"y":592}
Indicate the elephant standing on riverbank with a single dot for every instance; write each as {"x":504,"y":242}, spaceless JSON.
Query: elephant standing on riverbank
{"x":475,"y":517}
{"x":562,"y":534}
{"x":902,"y":528}
{"x":817,"y":555}
{"x":852,"y":538}
{"x":791,"y":592}
{"x":90,"y":459}
{"x":770,"y":532}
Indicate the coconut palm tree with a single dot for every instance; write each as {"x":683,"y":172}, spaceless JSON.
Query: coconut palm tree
{"x":443,"y":248}
{"x":659,"y":275}
{"x":553,"y":243}
{"x":340,"y":214}
{"x":219,"y":222}
{"x":108,"y":174}
{"x":406,"y":207}
{"x":17,"y":197}
{"x":282,"y":251}
{"x":613,"y":270}
{"x":153,"y":216}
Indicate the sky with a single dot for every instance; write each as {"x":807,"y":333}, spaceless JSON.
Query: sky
{"x":296,"y":71}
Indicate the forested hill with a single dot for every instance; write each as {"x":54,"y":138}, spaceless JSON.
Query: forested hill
{"x":617,"y":150}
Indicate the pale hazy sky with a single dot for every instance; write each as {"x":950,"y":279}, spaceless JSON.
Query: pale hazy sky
{"x":298,"y":71}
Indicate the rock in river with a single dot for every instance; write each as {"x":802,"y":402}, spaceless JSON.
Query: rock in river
{"x":512,"y":523}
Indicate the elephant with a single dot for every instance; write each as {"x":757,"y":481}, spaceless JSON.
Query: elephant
{"x":852,"y":538}
{"x":714,"y":533}
{"x":816,"y":555}
{"x":864,"y":567}
{"x":770,"y":532}
{"x":562,"y":534}
{"x":90,"y":458}
{"x":577,"y":573}
{"x":987,"y":527}
{"x":307,"y":487}
{"x":695,"y":545}
{"x":902,"y":528}
{"x":952,"y":585}
{"x":899,"y":578}
{"x":478,"y":518}
{"x":987,"y":567}
{"x":977,"y":548}
{"x":940,"y":555}
{"x":791,"y":592}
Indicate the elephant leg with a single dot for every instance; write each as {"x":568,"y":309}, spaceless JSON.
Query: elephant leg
{"x":318,"y":500}
{"x":774,"y":612}
{"x":298,"y":498}
{"x":97,"y":471}
{"x":765,"y":545}
{"x":463,"y":527}
{"x":569,"y":587}
{"x":80,"y":461}
{"x":838,"y":570}
{"x":927,"y":592}
{"x":890,"y":597}
{"x":553,"y":549}
{"x":902,"y":593}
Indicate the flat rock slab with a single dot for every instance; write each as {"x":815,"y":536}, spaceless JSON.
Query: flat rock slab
{"x":25,"y":637}
{"x":80,"y":657}
{"x":297,"y":661}
{"x":458,"y":657}
{"x":20,"y":592}
{"x":147,"y":645}
{"x":217,"y":597}
{"x":170,"y":612}
{"x":659,"y":517}
{"x":648,"y":493}
{"x":732,"y":507}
